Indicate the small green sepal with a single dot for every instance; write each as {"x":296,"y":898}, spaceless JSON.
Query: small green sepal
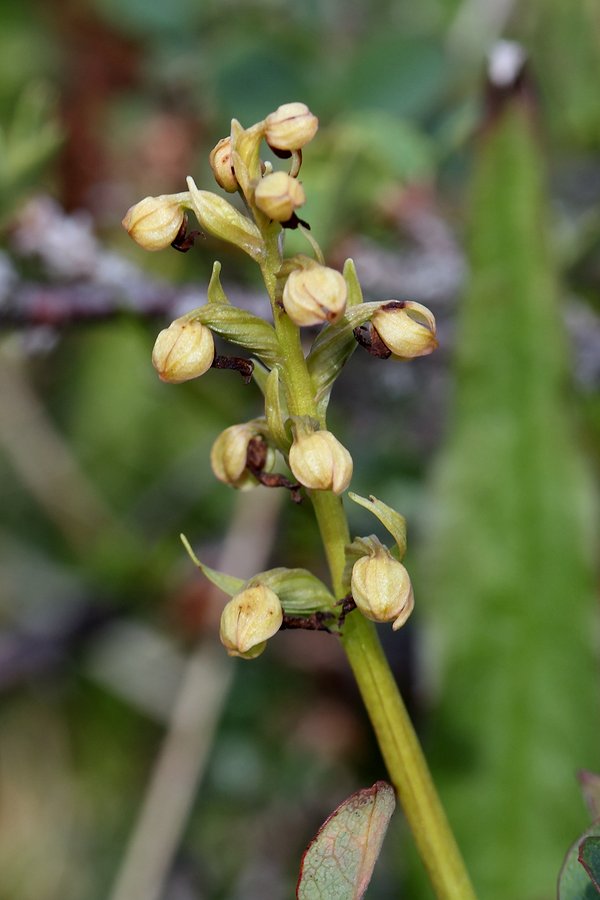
{"x":215,"y":292}
{"x":355,"y":295}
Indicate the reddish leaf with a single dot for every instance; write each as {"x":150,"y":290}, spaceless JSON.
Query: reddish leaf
{"x":339,"y":861}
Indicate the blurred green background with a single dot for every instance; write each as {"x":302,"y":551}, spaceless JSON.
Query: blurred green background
{"x":481,"y":202}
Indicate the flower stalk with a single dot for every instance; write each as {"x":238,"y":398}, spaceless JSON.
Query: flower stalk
{"x":304,"y":292}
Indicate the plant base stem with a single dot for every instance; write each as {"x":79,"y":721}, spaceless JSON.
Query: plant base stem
{"x":405,"y":762}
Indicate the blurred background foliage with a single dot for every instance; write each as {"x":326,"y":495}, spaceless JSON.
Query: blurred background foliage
{"x":486,"y":209}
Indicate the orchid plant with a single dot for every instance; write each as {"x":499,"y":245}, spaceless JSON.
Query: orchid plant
{"x":290,"y":447}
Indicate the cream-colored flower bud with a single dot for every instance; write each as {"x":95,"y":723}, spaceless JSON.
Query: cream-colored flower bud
{"x":154,"y":222}
{"x":183,"y":351}
{"x":221,"y":163}
{"x":229,"y":453}
{"x":290,"y":127}
{"x":314,"y":295}
{"x":320,"y":462}
{"x":278,"y":195}
{"x":381,"y":588}
{"x":406,"y":335}
{"x":249,"y":620}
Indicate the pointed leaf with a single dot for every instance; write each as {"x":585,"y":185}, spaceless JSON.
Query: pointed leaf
{"x":299,"y":591}
{"x":245,"y":155}
{"x":392,"y":520}
{"x":260,"y":373}
{"x":573,"y":881}
{"x":218,"y":217}
{"x":274,"y":410}
{"x":333,"y":347}
{"x":507,"y":572}
{"x":355,"y":295}
{"x":227,"y":583}
{"x":241,"y":327}
{"x":339,"y":862}
{"x":215,"y":292}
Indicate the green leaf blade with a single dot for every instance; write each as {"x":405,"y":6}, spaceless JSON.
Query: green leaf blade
{"x":507,"y":568}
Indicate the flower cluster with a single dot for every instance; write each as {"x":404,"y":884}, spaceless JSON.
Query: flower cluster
{"x":292,"y":434}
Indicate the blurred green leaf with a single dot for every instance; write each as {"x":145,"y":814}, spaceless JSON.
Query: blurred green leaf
{"x":507,"y":562}
{"x":339,"y":862}
{"x":565,"y":43}
{"x":354,"y":165}
{"x":28,"y":139}
{"x":405,"y":75}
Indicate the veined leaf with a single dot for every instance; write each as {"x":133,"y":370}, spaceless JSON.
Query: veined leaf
{"x":241,"y":327}
{"x":339,"y":862}
{"x":574,"y":882}
{"x":332,"y":348}
{"x":299,"y":591}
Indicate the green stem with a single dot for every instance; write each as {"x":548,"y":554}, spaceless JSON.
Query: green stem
{"x":405,"y":762}
{"x":395,"y":734}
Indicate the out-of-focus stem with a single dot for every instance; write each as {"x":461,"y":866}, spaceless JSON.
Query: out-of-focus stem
{"x":196,"y":710}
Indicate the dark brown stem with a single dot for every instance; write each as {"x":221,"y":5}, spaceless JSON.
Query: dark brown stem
{"x":184,"y":241}
{"x":256,"y":458}
{"x":244,"y":366}
{"x":317,"y":621}
{"x":321,"y":620}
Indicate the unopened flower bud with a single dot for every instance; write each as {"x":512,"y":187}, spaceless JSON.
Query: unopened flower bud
{"x":314,"y":295}
{"x":290,"y":127}
{"x":278,"y":195}
{"x":320,"y":462}
{"x":183,"y":351}
{"x":406,"y":335}
{"x":249,"y":620}
{"x":221,"y":164}
{"x":154,"y":222}
{"x":381,"y":588}
{"x":228,"y":456}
